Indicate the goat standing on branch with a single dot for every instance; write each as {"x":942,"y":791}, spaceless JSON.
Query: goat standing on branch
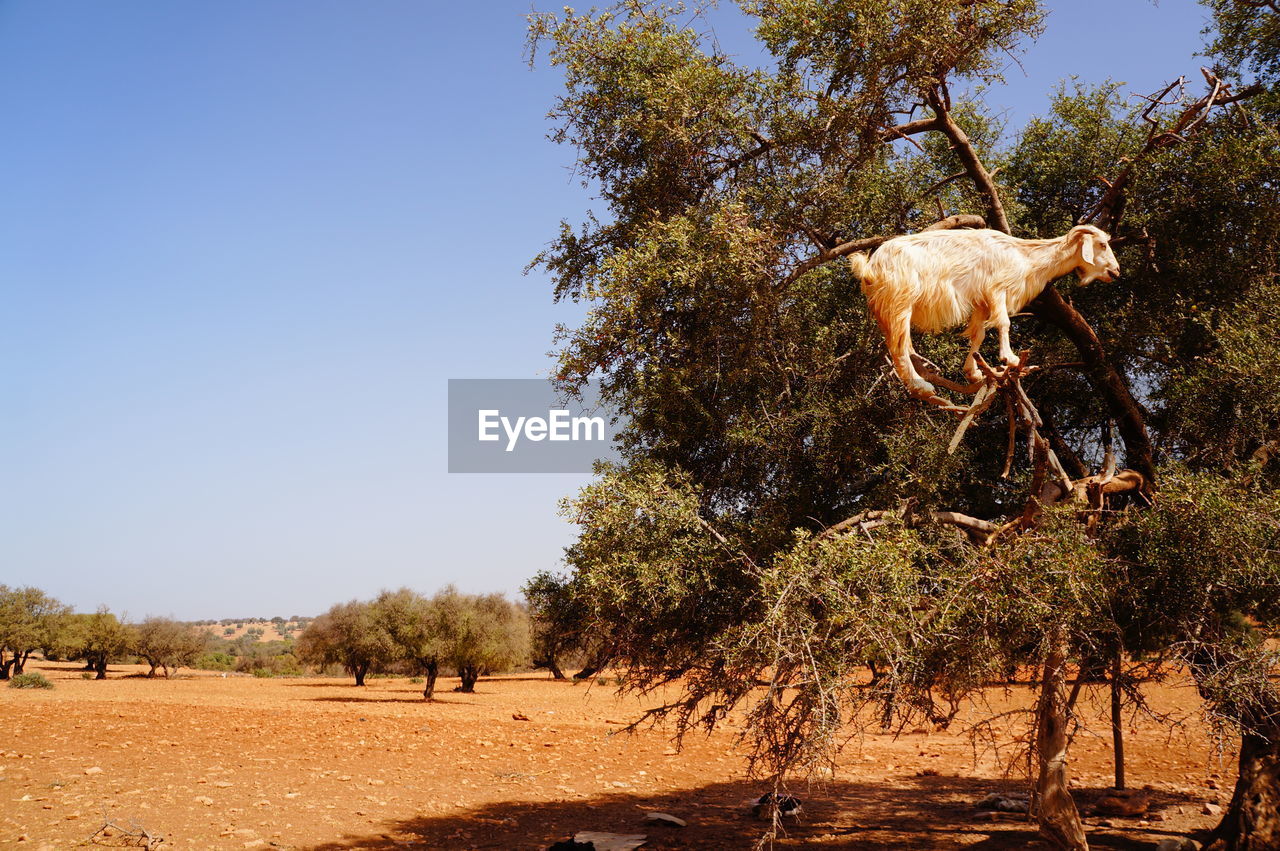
{"x":934,"y":280}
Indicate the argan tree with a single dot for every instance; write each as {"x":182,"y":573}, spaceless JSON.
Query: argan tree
{"x":348,"y":634}
{"x":167,"y":644}
{"x":482,"y":633}
{"x":559,"y":622}
{"x":97,"y":639}
{"x":784,"y":514}
{"x":414,"y":627}
{"x":29,"y":619}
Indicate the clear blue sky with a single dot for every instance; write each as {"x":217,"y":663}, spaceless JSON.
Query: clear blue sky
{"x":244,"y":244}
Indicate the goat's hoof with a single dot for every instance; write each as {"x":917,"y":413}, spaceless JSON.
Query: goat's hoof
{"x":921,"y":389}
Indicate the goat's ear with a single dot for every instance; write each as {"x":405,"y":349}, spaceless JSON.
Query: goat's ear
{"x":1086,"y":246}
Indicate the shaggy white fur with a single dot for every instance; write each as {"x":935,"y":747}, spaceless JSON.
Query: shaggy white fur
{"x":934,"y":280}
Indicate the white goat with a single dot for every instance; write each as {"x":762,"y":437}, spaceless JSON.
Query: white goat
{"x":939,"y":279}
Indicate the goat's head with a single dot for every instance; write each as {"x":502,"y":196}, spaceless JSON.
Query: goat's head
{"x":1093,"y":247}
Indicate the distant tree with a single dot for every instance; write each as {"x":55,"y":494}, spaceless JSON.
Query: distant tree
{"x":414,"y":627}
{"x":482,"y":634}
{"x":558,"y":622}
{"x":165,"y":643}
{"x":29,"y":619}
{"x":348,"y":635}
{"x":98,"y":639}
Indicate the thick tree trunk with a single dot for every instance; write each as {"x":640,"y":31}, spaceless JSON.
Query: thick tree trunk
{"x":550,"y":664}
{"x":1252,"y":820}
{"x":19,"y":662}
{"x":1055,"y":811}
{"x":468,"y":674}
{"x":1105,"y":378}
{"x":431,"y":670}
{"x":360,"y":671}
{"x":5,"y":666}
{"x":100,"y":665}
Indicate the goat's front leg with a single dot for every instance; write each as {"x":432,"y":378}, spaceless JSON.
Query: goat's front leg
{"x":1000,"y":318}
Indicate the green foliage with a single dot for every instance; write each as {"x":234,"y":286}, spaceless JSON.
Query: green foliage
{"x":215,"y":661}
{"x":34,"y":679}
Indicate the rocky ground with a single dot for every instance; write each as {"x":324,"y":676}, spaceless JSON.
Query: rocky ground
{"x":213,"y":762}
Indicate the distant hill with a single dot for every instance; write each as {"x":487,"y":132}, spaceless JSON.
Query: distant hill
{"x":262,"y":629}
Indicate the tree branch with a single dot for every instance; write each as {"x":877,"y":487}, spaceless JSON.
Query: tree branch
{"x":936,"y":97}
{"x":974,"y":525}
{"x":1110,"y":207}
{"x":765,"y":145}
{"x":910,"y":128}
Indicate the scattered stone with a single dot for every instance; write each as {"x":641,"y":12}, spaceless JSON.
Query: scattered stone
{"x":1211,"y":783}
{"x":1211,"y":809}
{"x":1006,"y":802}
{"x":520,"y":716}
{"x":204,"y":799}
{"x":94,"y":770}
{"x":666,"y":818}
{"x":1175,"y":844}
{"x":1123,"y":802}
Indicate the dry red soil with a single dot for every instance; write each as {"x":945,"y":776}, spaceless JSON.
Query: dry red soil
{"x":210,"y":763}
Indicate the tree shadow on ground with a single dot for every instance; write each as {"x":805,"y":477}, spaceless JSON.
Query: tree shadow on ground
{"x":913,"y":814}
{"x":412,"y":697}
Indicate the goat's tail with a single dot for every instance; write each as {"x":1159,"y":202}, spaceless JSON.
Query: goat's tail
{"x":859,"y":263}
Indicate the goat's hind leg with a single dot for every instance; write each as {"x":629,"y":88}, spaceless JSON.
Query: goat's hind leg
{"x":930,"y":371}
{"x":904,"y":358}
{"x":975,"y":332}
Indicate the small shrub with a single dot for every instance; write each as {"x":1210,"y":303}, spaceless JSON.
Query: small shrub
{"x":32,"y":680}
{"x":262,"y":673}
{"x":417,"y":680}
{"x":216,"y":661}
{"x":86,"y":675}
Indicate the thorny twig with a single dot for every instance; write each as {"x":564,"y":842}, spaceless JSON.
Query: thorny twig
{"x":134,"y":836}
